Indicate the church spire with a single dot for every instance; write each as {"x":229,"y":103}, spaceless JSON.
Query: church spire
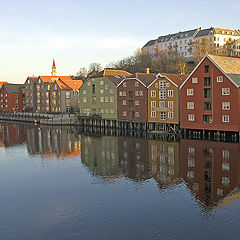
{"x":54,"y":72}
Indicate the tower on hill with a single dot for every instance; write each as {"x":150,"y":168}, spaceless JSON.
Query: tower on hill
{"x":54,"y":72}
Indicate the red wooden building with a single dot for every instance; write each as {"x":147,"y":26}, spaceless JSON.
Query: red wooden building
{"x":11,"y":97}
{"x":210,"y":96}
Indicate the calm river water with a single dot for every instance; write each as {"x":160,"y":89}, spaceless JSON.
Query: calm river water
{"x":56,"y":183}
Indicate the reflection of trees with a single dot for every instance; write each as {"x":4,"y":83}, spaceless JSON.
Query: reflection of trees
{"x":211,"y":169}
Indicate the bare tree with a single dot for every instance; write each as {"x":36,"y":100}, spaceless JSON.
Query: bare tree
{"x":82,"y":72}
{"x":95,"y":67}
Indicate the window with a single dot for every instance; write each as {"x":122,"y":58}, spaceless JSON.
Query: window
{"x":106,"y":99}
{"x":170,"y":93}
{"x":195,"y":80}
{"x":225,"y":105}
{"x":93,"y":89}
{"x":219,"y":78}
{"x":225,"y":91}
{"x":190,"y":105}
{"x":162,"y":85}
{"x":156,"y":85}
{"x":15,"y":101}
{"x":162,"y":116}
{"x":102,"y":99}
{"x":88,"y":83}
{"x":206,"y":69}
{"x":225,"y":154}
{"x":84,"y":92}
{"x":111,"y":99}
{"x":162,"y":94}
{"x":111,"y":90}
{"x":124,"y":93}
{"x":124,"y":113}
{"x":207,"y":118}
{"x":111,"y":110}
{"x":136,"y":102}
{"x":153,"y":93}
{"x":207,"y":81}
{"x":207,"y":106}
{"x":124,"y":102}
{"x":101,"y":91}
{"x":15,"y":95}
{"x":124,"y":84}
{"x":153,"y":104}
{"x":84,"y":99}
{"x":162,"y":104}
{"x":225,"y":118}
{"x":170,"y":114}
{"x":136,"y":83}
{"x":170,"y":104}
{"x":16,"y":106}
{"x":189,"y":92}
{"x":191,"y":117}
{"x":207,"y":93}
{"x":68,"y":94}
{"x":120,"y":93}
{"x":136,"y":93}
{"x":140,"y":93}
{"x":137,"y":114}
{"x":153,"y":114}
{"x":101,"y":82}
{"x":106,"y":110}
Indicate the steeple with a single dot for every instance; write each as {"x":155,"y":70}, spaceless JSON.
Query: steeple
{"x":54,"y":72}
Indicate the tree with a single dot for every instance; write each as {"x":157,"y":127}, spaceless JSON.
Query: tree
{"x":94,"y":67}
{"x":82,"y":72}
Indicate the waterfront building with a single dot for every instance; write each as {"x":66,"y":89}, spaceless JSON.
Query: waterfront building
{"x":210,"y":96}
{"x":164,"y":162}
{"x":98,"y":93}
{"x":211,"y":170}
{"x":132,"y":97}
{"x":164,"y":98}
{"x":52,"y":94}
{"x":11,"y":97}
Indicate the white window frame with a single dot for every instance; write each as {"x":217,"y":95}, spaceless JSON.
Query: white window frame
{"x":153,"y":93}
{"x":190,"y":105}
{"x":226,"y":106}
{"x":194,"y":80}
{"x":225,"y":118}
{"x":225,"y":91}
{"x":190,"y":92}
{"x":170,"y":115}
{"x":170,"y":93}
{"x":191,"y":117}
{"x":170,"y":104}
{"x":153,"y":114}
{"x":219,"y":79}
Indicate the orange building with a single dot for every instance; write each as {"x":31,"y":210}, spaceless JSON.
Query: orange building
{"x":163,"y":98}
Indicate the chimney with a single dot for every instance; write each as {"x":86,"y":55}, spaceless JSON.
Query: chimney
{"x":148,"y":70}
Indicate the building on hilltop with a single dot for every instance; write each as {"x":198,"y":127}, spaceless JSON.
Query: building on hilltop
{"x":11,"y":97}
{"x":52,"y":94}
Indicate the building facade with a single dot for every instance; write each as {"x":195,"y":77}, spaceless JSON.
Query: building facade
{"x":98,"y":94}
{"x":132,"y":97}
{"x":164,"y":98}
{"x":210,"y":96}
{"x":11,"y":97}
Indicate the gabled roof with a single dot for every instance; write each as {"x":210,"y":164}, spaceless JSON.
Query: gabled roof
{"x":54,"y":78}
{"x":178,"y":79}
{"x":115,"y":79}
{"x":66,"y":84}
{"x":145,"y":78}
{"x":205,"y":32}
{"x":115,"y":72}
{"x":186,"y":34}
{"x":229,"y":66}
{"x":226,"y":31}
{"x":166,"y":38}
{"x":13,"y":88}
{"x":2,"y":82}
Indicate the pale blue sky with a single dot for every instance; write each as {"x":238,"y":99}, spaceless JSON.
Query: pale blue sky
{"x":77,"y":33}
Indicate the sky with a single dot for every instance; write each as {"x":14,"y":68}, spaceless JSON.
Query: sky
{"x":78,"y":32}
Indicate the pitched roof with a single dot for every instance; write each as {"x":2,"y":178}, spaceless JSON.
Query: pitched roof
{"x":13,"y":88}
{"x":66,"y":84}
{"x":235,"y":78}
{"x":178,"y":79}
{"x":2,"y":82}
{"x":186,"y":33}
{"x":54,"y":78}
{"x":145,"y":78}
{"x":205,"y":32}
{"x":226,"y":31}
{"x":115,"y":79}
{"x":115,"y":72}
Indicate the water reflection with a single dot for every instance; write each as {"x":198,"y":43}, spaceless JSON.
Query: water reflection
{"x":210,"y":170}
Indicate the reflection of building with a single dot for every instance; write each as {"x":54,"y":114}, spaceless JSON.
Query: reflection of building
{"x":52,"y":142}
{"x":133,"y":158}
{"x":211,"y":169}
{"x":101,"y":155}
{"x":11,"y":134}
{"x":164,"y":162}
